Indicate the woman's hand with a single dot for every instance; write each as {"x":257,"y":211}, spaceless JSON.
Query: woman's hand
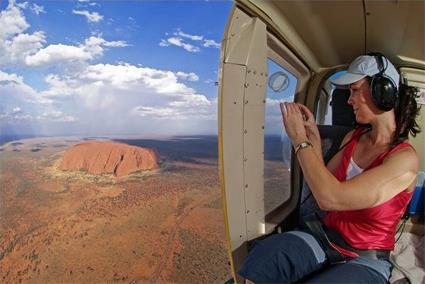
{"x":311,"y":129}
{"x":294,"y":122}
{"x":301,"y":126}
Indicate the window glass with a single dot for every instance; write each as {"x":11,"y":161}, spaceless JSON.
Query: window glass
{"x":277,"y":146}
{"x":324,"y":113}
{"x":324,"y":108}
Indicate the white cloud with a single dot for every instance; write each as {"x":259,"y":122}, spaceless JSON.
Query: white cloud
{"x":118,"y":43}
{"x":58,"y":86}
{"x":94,"y":44}
{"x":5,"y":116}
{"x":179,"y":42}
{"x":191,"y":101}
{"x":188,"y":76}
{"x":109,"y":98}
{"x":15,"y":45}
{"x":131,"y":77}
{"x":10,"y":79}
{"x":189,"y":36}
{"x":38,"y":9}
{"x":14,"y":50}
{"x":93,"y":17}
{"x":193,"y":107}
{"x":197,"y":41}
{"x":209,"y":81}
{"x":11,"y":22}
{"x":56,"y":116}
{"x":273,"y":112}
{"x":21,"y":105}
{"x":20,"y":48}
{"x":211,"y":43}
{"x":164,"y":43}
{"x":273,"y":103}
{"x":17,"y":100}
{"x":60,"y":53}
{"x":126,"y":92}
{"x":158,"y":112}
{"x":22,"y":5}
{"x":56,"y":53}
{"x":16,"y":110}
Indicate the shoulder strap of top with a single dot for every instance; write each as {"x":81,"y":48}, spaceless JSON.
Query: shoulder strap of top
{"x":401,"y":146}
{"x":349,"y":147}
{"x":382,"y":156}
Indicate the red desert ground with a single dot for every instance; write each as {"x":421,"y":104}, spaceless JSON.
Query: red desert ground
{"x":132,"y":211}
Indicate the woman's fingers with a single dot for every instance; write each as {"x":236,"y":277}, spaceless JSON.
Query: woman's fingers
{"x":304,"y":109}
{"x":293,"y":121}
{"x":288,"y":109}
{"x":292,"y":108}
{"x":283,"y":109}
{"x":306,"y":112}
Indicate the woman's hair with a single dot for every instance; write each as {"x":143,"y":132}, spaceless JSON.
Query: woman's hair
{"x":406,"y":111}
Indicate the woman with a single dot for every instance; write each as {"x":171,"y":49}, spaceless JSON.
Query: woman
{"x":365,"y":187}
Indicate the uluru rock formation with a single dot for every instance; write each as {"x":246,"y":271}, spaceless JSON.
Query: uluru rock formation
{"x":109,"y":157}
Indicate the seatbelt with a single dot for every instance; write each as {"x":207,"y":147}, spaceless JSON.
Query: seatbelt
{"x":314,"y":225}
{"x":327,"y":237}
{"x":337,"y":239}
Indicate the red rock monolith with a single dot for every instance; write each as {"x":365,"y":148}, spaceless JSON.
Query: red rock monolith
{"x":109,"y":157}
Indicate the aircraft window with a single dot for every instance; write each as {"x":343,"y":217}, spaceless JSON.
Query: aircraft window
{"x":277,"y":146}
{"x":324,"y":113}
{"x":324,"y":109}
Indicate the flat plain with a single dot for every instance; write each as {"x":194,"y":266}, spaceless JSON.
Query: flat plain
{"x":156,"y":226}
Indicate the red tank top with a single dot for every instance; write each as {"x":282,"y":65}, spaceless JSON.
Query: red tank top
{"x":371,"y":228}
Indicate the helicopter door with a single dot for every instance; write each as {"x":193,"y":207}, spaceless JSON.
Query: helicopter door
{"x":255,"y":76}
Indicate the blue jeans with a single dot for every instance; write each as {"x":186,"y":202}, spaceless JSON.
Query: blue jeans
{"x":296,"y":256}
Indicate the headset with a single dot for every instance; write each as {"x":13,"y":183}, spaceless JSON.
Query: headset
{"x":383,"y":88}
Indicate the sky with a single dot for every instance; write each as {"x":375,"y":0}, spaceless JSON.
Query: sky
{"x":95,"y":68}
{"x":284,"y":91}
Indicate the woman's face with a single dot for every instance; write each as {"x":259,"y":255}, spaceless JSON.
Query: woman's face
{"x":361,"y":101}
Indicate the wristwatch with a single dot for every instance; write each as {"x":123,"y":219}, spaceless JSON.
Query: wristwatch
{"x":302,"y":145}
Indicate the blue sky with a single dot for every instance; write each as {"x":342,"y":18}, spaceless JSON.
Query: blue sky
{"x":273,"y":117}
{"x":110,"y":67}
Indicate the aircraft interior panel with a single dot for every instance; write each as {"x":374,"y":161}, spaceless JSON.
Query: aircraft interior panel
{"x":231,"y":145}
{"x":400,"y":27}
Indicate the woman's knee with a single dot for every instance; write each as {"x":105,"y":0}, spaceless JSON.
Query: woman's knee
{"x":284,"y":257}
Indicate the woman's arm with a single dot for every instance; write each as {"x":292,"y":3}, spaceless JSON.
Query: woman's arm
{"x":366,"y":190}
{"x":312,"y":131}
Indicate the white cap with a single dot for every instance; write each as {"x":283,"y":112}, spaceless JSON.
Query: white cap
{"x":367,"y":65}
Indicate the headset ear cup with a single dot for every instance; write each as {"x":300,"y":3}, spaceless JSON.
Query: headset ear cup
{"x":384,"y":93}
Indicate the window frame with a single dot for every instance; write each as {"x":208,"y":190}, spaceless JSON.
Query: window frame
{"x":283,"y":56}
